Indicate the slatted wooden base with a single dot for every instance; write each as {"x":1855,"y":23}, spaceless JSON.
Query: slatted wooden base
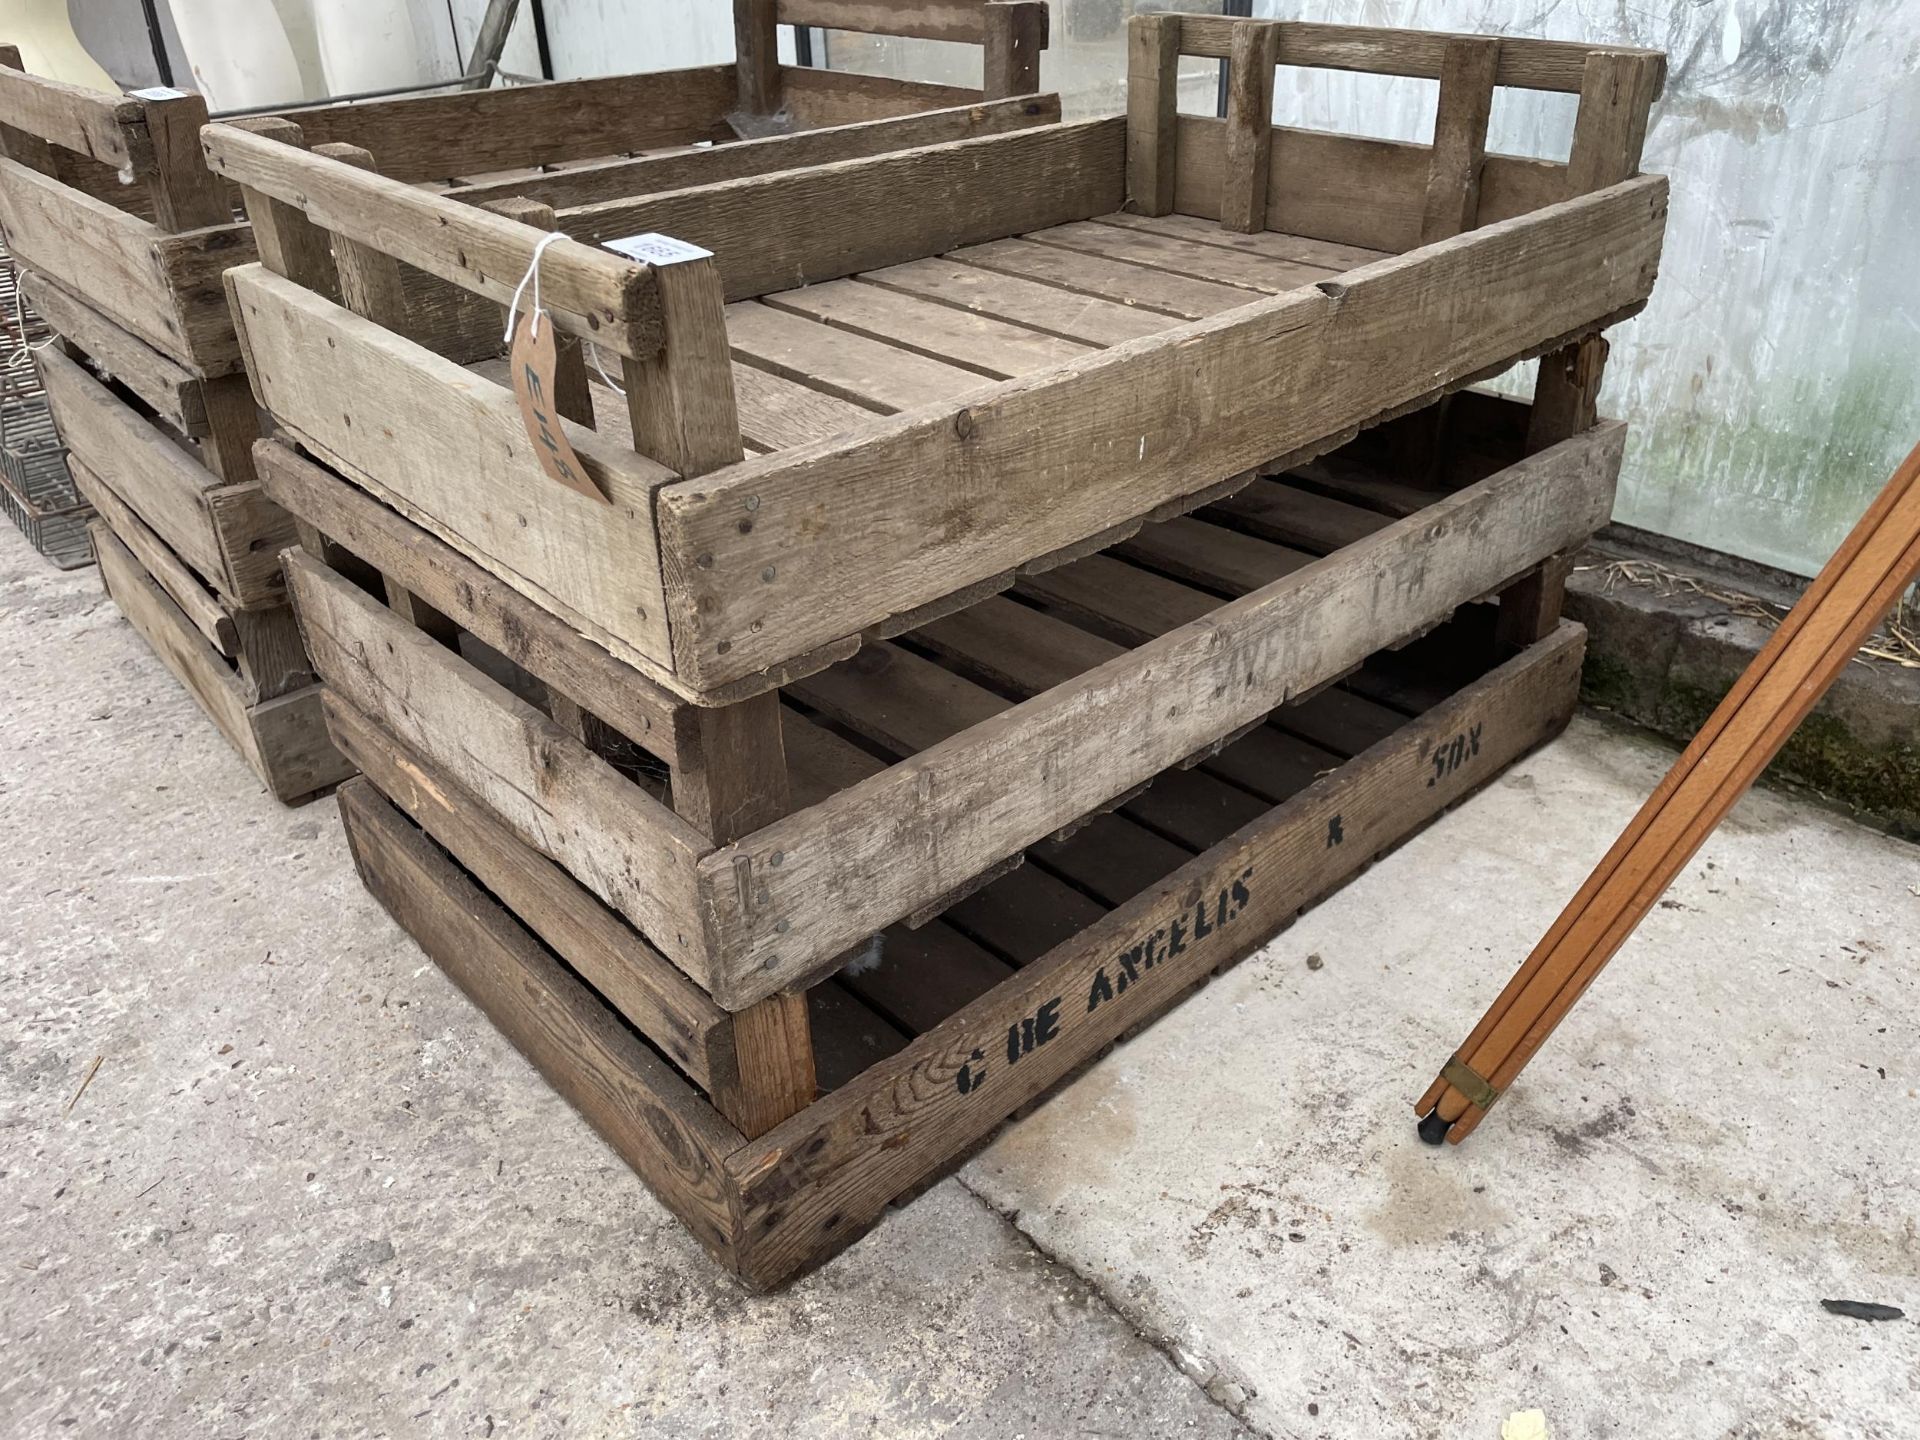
{"x":928,"y":1042}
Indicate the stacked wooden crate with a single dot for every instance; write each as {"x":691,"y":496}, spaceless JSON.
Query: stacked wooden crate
{"x":1012,"y":579}
{"x":110,"y":204}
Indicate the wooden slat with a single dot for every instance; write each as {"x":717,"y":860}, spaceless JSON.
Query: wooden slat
{"x":173,"y":390}
{"x":1459,"y":138}
{"x":1249,"y":150}
{"x":588,"y":291}
{"x":756,"y":62}
{"x":819,"y":762}
{"x":1240,"y":661}
{"x":924,"y":975}
{"x":621,"y":178}
{"x":776,"y":413}
{"x":627,"y":972}
{"x":1153,"y":103}
{"x":196,"y":603}
{"x":1021,"y":652}
{"x":540,"y":643}
{"x":107,"y":128}
{"x":815,"y":96}
{"x":554,"y":793}
{"x":1183,"y":257}
{"x":1016,"y":33}
{"x":837,"y":362}
{"x":1617,"y":88}
{"x":156,"y":476}
{"x":1525,"y":64}
{"x":851,"y":526}
{"x":434,"y":137}
{"x":1288,"y":515}
{"x":1178,"y":296}
{"x":450,"y":451}
{"x":1045,"y":309}
{"x":990,"y":347}
{"x":904,"y":1119}
{"x":1023,"y":915}
{"x":650,"y":1117}
{"x":851,"y":1037}
{"x":773,"y":232}
{"x":953,"y":20}
{"x":1212,"y":556}
{"x":1270,"y":244}
{"x":680,"y":405}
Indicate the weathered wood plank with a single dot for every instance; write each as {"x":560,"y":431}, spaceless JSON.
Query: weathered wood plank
{"x":107,"y":128}
{"x":915,"y":508}
{"x":961,"y":23}
{"x":649,"y":1116}
{"x":756,"y":62}
{"x":627,"y":972}
{"x":993,"y":348}
{"x":1352,"y":190}
{"x":1016,"y":33}
{"x":588,"y":291}
{"x":814,"y":1184}
{"x":435,"y":137}
{"x":1177,"y":255}
{"x":773,"y":232}
{"x":156,"y":476}
{"x":776,"y":413}
{"x":1153,"y":103}
{"x":817,"y":97}
{"x":1245,"y":165}
{"x":172,"y":389}
{"x":449,"y":450}
{"x":840,"y":362}
{"x":1021,"y":775}
{"x":540,"y":643}
{"x":1043,"y":308}
{"x":623,"y":178}
{"x":1459,"y":138}
{"x":1121,"y":281}
{"x":1525,"y":64}
{"x":548,"y":788}
{"x":1270,"y":244}
{"x":196,"y":603}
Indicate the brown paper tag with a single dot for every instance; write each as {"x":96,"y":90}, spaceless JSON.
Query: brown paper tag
{"x":532,"y":361}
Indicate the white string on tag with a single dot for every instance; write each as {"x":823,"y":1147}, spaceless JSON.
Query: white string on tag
{"x":533,"y":274}
{"x":25,"y":352}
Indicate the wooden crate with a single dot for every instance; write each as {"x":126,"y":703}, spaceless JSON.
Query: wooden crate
{"x":912,"y":1055}
{"x":813,"y":457}
{"x":111,"y":201}
{"x":848,"y":525}
{"x":975,"y":560}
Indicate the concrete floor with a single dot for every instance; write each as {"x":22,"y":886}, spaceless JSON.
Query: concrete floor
{"x":308,"y":1192}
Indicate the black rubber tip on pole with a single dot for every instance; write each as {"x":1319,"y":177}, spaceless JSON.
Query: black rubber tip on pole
{"x":1433,"y":1129}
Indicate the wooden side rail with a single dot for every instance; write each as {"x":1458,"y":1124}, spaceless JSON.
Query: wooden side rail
{"x":1011,"y":34}
{"x":589,"y":291}
{"x":1617,"y":87}
{"x":150,"y":136}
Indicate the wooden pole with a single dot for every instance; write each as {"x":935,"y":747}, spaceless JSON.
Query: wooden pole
{"x":1818,"y":639}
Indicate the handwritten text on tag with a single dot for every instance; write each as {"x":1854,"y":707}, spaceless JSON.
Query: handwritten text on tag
{"x":532,"y":359}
